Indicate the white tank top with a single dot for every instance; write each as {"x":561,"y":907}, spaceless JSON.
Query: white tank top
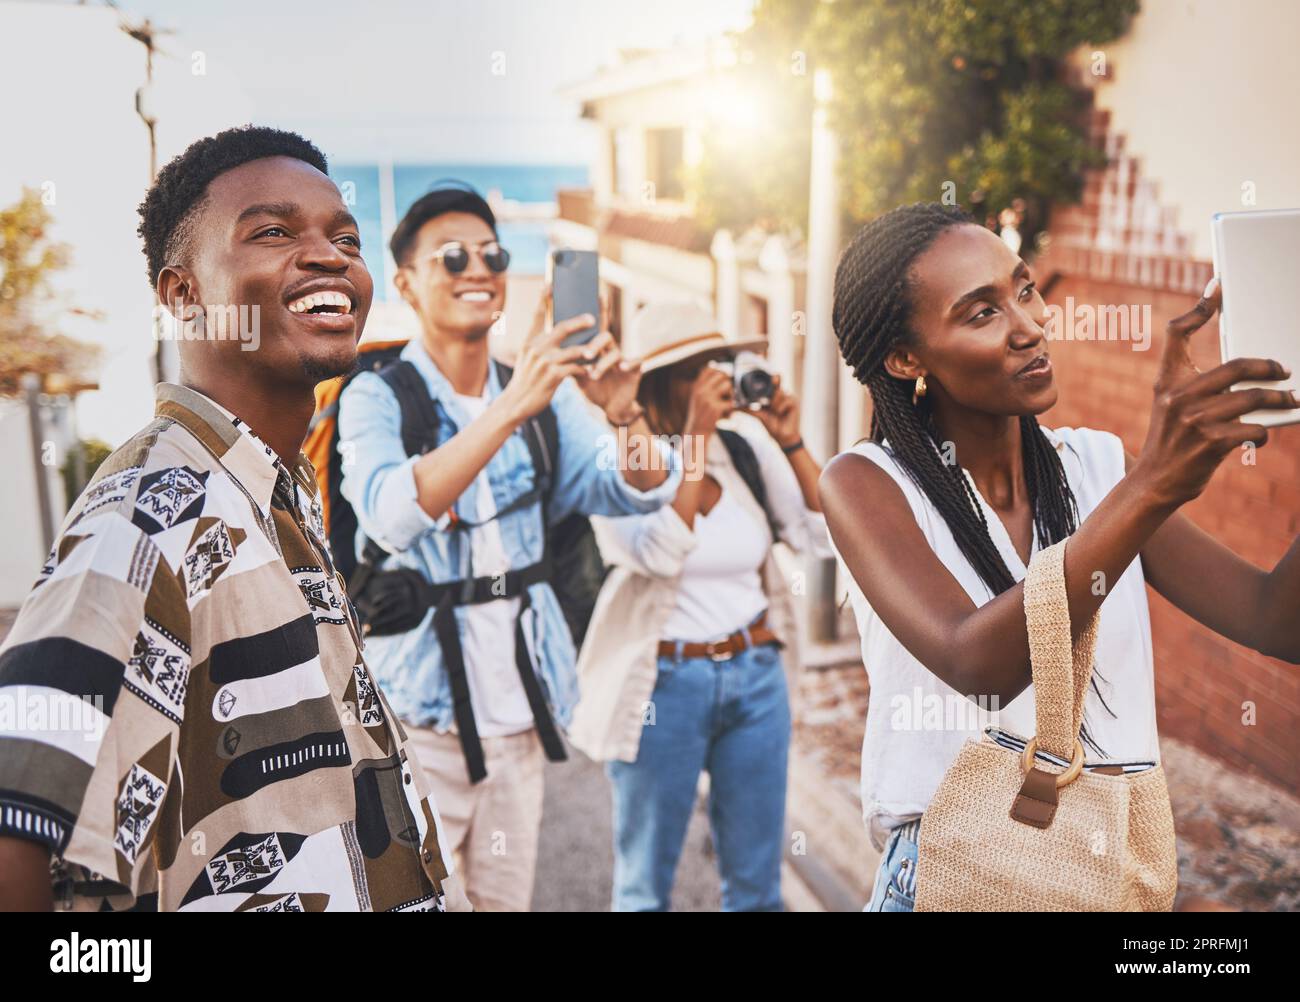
{"x":916,"y":724}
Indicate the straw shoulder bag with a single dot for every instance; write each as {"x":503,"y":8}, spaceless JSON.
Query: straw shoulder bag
{"x":1003,"y":833}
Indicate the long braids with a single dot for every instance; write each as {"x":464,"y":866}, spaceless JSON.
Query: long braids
{"x":871,"y":316}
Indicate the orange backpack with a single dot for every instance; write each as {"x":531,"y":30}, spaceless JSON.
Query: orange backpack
{"x":322,"y":448}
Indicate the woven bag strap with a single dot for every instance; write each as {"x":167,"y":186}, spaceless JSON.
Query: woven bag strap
{"x":1061,"y":672}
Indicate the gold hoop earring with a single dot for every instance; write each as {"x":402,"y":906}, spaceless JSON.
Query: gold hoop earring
{"x":919,"y":391}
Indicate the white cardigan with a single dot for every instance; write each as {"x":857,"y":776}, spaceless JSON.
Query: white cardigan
{"x":618,"y":666}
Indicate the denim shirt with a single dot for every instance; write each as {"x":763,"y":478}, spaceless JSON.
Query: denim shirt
{"x":379,"y":483}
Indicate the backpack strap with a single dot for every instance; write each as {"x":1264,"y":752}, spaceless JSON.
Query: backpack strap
{"x":545,"y":462}
{"x":419,"y":435}
{"x":420,"y":421}
{"x":745,"y":460}
{"x":542,"y":435}
{"x":419,"y":413}
{"x":419,"y":430}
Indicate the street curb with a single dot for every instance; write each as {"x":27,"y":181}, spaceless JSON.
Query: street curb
{"x":837,"y":863}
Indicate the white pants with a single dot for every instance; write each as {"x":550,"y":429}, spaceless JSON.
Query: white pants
{"x":491,"y":826}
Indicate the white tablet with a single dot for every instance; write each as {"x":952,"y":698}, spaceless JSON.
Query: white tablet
{"x":1257,"y":259}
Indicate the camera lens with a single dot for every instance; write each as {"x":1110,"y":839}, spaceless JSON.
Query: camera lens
{"x":755,"y":386}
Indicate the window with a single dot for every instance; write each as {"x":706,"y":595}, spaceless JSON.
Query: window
{"x":664,"y":162}
{"x":625,"y":174}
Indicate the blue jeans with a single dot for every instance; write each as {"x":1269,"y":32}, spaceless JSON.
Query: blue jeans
{"x":732,"y":718}
{"x":895,"y":889}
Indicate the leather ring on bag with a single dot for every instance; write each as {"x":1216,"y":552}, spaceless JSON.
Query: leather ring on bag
{"x":1065,"y":778}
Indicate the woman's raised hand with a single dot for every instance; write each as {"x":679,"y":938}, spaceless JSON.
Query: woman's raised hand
{"x":1195,"y":421}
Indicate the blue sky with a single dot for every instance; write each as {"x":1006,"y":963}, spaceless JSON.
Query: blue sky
{"x":414,"y":80}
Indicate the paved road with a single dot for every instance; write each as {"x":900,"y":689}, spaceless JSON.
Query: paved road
{"x":575,"y":861}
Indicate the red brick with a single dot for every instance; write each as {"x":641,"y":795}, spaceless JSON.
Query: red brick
{"x":1201,"y":679}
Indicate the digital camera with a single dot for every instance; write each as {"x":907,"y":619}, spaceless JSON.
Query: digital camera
{"x":751,"y":380}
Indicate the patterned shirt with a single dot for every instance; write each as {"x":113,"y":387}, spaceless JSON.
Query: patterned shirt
{"x":186,"y":719}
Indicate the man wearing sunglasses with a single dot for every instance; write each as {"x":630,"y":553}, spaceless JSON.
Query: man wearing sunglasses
{"x":485,"y":677}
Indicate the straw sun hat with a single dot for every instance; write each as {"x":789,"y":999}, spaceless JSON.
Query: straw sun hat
{"x":664,"y":334}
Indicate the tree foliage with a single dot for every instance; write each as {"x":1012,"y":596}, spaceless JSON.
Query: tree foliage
{"x":27,"y":259}
{"x":754,"y":168}
{"x":75,"y":479}
{"x":924,"y":92}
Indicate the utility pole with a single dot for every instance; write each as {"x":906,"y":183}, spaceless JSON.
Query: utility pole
{"x":146,"y":33}
{"x":31,"y":384}
{"x":821,"y":378}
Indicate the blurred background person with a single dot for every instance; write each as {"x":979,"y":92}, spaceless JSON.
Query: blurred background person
{"x":682,"y":669}
{"x":482,"y":668}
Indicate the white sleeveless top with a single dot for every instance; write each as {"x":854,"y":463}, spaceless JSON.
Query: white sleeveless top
{"x":916,"y":724}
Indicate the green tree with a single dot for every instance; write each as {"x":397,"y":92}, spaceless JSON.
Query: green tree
{"x":27,"y":259}
{"x":924,"y":92}
{"x":754,"y":168}
{"x":76,"y":474}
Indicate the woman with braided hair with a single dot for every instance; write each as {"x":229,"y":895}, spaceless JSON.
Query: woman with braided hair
{"x":938,"y":514}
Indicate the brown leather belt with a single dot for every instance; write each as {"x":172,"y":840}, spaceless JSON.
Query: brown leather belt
{"x":755,"y":635}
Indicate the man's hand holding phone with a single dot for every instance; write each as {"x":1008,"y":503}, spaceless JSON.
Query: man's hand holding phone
{"x":610,"y":380}
{"x":543,"y":364}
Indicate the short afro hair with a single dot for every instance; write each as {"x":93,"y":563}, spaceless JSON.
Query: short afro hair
{"x":171,"y":205}
{"x":456,"y":197}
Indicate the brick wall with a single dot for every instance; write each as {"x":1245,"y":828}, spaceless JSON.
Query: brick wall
{"x":1202,"y":680}
{"x":1119,"y":248}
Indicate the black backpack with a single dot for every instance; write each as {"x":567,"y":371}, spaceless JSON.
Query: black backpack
{"x":577,"y":571}
{"x":398,"y":600}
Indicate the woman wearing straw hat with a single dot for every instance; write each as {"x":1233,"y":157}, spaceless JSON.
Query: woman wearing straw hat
{"x":682,"y":669}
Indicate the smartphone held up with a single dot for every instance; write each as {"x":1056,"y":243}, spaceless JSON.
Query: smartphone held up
{"x":1257,"y":259}
{"x":575,"y":289}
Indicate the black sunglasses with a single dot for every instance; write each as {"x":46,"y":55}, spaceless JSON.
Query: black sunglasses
{"x":455,"y":256}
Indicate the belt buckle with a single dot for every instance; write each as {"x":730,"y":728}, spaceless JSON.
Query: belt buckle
{"x":711,"y":649}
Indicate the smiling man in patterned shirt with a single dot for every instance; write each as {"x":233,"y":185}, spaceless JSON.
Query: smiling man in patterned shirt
{"x":186,"y":719}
